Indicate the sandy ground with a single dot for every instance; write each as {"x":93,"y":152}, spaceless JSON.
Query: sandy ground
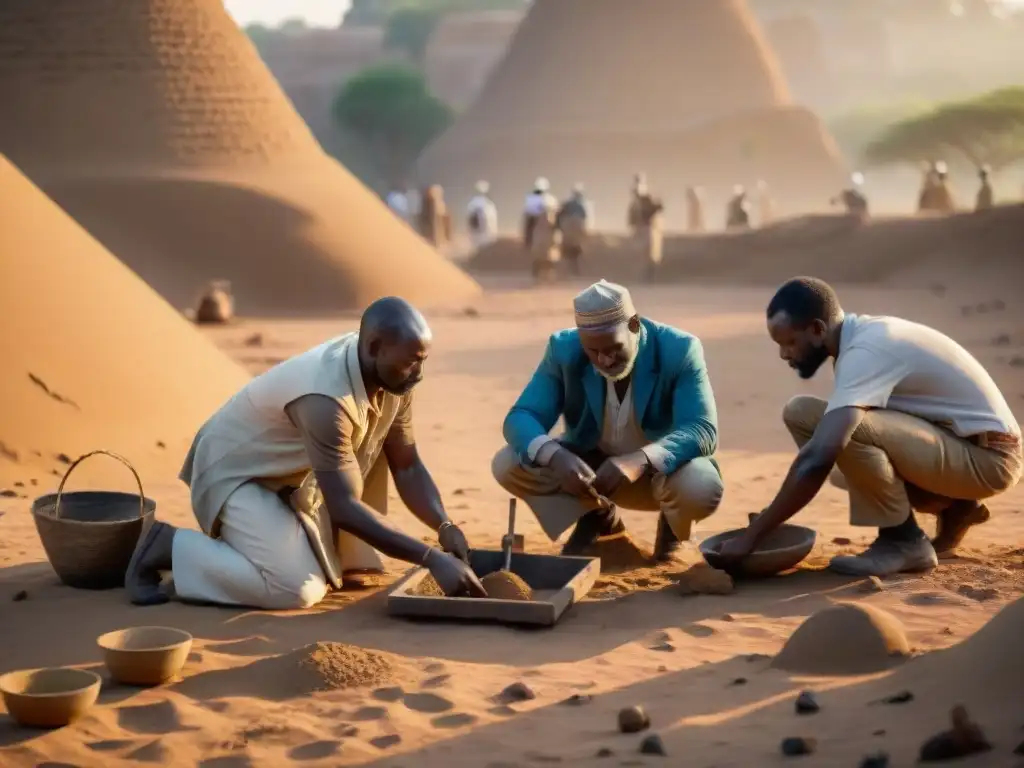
{"x":636,"y":640}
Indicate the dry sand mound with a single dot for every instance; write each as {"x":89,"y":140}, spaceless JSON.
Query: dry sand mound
{"x":505,"y":585}
{"x":310,"y":669}
{"x":91,"y":356}
{"x":846,"y":639}
{"x":590,"y":91}
{"x":156,"y":126}
{"x":834,"y":247}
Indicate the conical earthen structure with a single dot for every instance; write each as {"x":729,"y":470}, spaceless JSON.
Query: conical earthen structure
{"x":92,"y":356}
{"x":156,"y":125}
{"x":687,"y":91}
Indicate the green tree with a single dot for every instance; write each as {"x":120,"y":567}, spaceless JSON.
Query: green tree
{"x":984,"y":130}
{"x":391,"y":109}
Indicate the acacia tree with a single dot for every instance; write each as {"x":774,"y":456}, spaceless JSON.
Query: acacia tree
{"x":984,"y":130}
{"x":391,"y":109}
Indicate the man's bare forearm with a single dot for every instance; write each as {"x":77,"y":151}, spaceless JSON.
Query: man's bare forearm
{"x":419,"y":493}
{"x":353,"y":516}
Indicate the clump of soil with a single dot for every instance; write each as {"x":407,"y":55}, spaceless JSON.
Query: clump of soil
{"x":619,"y":552}
{"x":702,"y":579}
{"x":500,"y":585}
{"x":334,"y":666}
{"x":505,"y":585}
{"x":428,"y":588}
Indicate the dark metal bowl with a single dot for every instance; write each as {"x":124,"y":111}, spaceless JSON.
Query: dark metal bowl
{"x":781,"y":550}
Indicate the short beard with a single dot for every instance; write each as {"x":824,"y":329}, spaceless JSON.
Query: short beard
{"x":807,"y":368}
{"x":626,"y":372}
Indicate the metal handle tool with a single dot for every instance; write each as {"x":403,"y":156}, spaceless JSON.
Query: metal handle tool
{"x":508,"y":540}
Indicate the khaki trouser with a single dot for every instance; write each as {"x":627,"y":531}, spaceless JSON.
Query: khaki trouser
{"x":690,"y":494}
{"x":890,"y":449}
{"x":263,"y":558}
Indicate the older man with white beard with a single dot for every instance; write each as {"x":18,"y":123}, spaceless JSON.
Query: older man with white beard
{"x":640,"y":427}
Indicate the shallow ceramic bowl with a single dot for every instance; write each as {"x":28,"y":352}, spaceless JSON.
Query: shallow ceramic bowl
{"x":145,"y":655}
{"x":49,"y":698}
{"x":782,"y":549}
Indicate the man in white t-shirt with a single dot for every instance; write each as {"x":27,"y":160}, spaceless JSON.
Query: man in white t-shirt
{"x":914,"y":423}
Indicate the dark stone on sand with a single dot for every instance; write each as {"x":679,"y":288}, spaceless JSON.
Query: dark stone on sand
{"x":604,"y":752}
{"x":807,"y":704}
{"x":634,"y":719}
{"x":8,"y":494}
{"x":20,"y":595}
{"x":739,"y":681}
{"x":1017,"y":362}
{"x":652,"y":745}
{"x":793,"y":746}
{"x":879,"y":732}
{"x":877,"y":760}
{"x":963,"y":739}
{"x":19,"y":484}
{"x":63,"y":458}
{"x":1002,"y":340}
{"x":842,"y":541}
{"x":161,"y":444}
{"x":899,"y":698}
{"x":578,"y":700}
{"x":517,"y":692}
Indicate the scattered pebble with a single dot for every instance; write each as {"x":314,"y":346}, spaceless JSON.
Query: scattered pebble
{"x":604,"y":752}
{"x":578,"y":700}
{"x":256,"y":340}
{"x":653,"y":745}
{"x":877,"y":760}
{"x":161,"y":444}
{"x":899,"y":698}
{"x":7,"y":493}
{"x":879,"y":732}
{"x":1002,"y":340}
{"x":662,"y":668}
{"x":665,"y":647}
{"x":63,"y":458}
{"x":739,"y":681}
{"x":872,"y":584}
{"x":471,"y":312}
{"x":1017,"y":362}
{"x":807,"y":704}
{"x":634,"y":720}
{"x":19,"y":484}
{"x":20,"y":595}
{"x":963,"y":739}
{"x":517,"y":692}
{"x":798,"y":745}
{"x":842,"y":541}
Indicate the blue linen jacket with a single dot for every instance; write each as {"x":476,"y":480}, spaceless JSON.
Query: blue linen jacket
{"x":672,"y":395}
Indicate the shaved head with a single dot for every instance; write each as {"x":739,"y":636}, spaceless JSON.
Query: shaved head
{"x":394,"y":341}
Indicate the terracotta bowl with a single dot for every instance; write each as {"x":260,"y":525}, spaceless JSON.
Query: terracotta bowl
{"x":145,"y":655}
{"x":781,"y":550}
{"x":49,"y":698}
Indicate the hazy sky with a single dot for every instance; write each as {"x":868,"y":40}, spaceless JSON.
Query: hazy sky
{"x":320,"y":13}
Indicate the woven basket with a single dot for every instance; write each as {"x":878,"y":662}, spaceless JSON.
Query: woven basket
{"x":89,"y":536}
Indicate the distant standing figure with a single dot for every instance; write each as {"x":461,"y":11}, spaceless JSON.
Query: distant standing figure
{"x":852,"y":198}
{"x":434,"y":221}
{"x":985,"y":198}
{"x":540,"y":233}
{"x":935,"y":195}
{"x":482,"y":216}
{"x":573,"y":222}
{"x":737,"y":212}
{"x":398,"y":201}
{"x":216,"y":304}
{"x":694,"y":210}
{"x":646,"y":222}
{"x":765,"y":204}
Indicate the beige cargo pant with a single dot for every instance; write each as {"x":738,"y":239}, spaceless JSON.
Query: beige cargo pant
{"x":688,"y":495}
{"x":890,"y":449}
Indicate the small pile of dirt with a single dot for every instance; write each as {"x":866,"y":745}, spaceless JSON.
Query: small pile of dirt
{"x":702,"y":579}
{"x":428,"y":588}
{"x":619,"y":552}
{"x":334,"y":666}
{"x":845,"y":639}
{"x":505,"y":585}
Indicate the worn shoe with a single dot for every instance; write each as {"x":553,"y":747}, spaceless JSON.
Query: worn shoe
{"x":954,"y":522}
{"x":592,"y":526}
{"x":886,"y":557}
{"x":666,"y":543}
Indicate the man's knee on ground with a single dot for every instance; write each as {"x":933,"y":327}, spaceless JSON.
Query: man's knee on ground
{"x":296,"y":594}
{"x":696,"y":488}
{"x":803,"y":412}
{"x":503,"y":465}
